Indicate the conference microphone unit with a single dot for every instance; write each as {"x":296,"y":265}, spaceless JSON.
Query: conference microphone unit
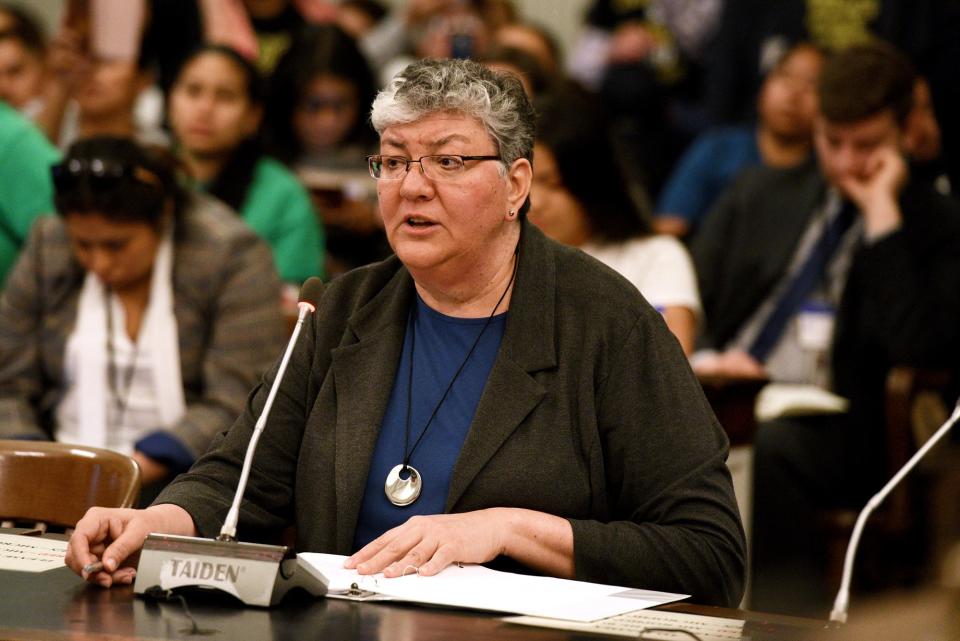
{"x":254,"y":573}
{"x":842,"y":602}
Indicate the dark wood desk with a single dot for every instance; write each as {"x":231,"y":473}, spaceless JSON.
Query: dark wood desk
{"x":58,"y":606}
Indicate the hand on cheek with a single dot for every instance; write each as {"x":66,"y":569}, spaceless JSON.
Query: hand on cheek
{"x":876,"y":194}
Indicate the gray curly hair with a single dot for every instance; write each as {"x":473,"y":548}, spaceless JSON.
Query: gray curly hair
{"x":496,"y":100}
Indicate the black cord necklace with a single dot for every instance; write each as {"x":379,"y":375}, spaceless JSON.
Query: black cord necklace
{"x":120,"y":400}
{"x":404,"y":491}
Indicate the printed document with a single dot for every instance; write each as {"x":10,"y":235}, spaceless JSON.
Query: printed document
{"x":480,"y":588}
{"x":652,"y":624}
{"x":30,"y":553}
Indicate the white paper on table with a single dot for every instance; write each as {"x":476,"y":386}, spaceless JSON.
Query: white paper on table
{"x":480,"y":588}
{"x":31,"y":553}
{"x":670,"y":626}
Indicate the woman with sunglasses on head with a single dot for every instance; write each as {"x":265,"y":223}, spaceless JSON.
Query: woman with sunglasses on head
{"x":215,"y":111}
{"x":137,"y":319}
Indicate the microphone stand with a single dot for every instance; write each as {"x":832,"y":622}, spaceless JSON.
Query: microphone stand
{"x":229,"y":530}
{"x":842,"y":602}
{"x":254,"y":573}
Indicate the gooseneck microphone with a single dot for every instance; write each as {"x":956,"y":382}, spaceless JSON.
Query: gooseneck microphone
{"x":254,"y":573}
{"x":842,"y":602}
{"x":309,"y":297}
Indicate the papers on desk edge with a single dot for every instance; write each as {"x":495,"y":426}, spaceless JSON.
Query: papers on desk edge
{"x":480,"y":588}
{"x":660,"y":625}
{"x":30,"y":553}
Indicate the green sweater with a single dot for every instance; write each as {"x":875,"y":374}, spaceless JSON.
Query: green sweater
{"x":26,"y":189}
{"x":278,"y":208}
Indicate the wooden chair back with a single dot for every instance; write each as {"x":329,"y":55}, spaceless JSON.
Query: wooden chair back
{"x":55,"y":483}
{"x":909,"y":392}
{"x":909,"y":395}
{"x":913,"y":408}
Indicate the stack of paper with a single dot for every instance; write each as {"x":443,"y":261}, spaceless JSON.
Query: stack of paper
{"x":651,"y":625}
{"x":778,"y":400}
{"x":480,"y":588}
{"x":30,"y":553}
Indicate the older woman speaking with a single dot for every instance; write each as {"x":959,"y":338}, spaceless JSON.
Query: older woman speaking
{"x":485,"y":393}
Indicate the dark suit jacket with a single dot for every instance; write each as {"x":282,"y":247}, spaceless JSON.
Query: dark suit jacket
{"x":900,"y":305}
{"x":590,"y":412}
{"x":226,"y":301}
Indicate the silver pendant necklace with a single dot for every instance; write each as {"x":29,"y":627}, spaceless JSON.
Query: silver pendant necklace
{"x":404,"y":483}
{"x":403,"y":491}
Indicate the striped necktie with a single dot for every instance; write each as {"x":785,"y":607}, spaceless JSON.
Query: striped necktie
{"x":804,"y":282}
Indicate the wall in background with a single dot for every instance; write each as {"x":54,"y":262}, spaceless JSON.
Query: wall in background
{"x":561,"y":17}
{"x":46,"y":10}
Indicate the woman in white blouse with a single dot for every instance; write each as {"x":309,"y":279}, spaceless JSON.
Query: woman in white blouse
{"x":581,"y":197}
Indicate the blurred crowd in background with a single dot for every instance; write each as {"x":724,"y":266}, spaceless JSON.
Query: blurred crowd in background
{"x":688,"y":92}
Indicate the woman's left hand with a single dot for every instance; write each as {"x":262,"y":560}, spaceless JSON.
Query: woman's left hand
{"x":428,"y":544}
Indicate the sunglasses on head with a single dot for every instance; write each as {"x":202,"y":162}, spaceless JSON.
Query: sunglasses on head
{"x":100,"y":173}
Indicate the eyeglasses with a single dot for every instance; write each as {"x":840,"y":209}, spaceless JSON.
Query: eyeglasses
{"x":439,"y":167}
{"x":99,"y":173}
{"x":315,"y":104}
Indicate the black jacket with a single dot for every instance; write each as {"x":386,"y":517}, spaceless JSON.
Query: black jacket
{"x":900,"y":305}
{"x":590,"y":413}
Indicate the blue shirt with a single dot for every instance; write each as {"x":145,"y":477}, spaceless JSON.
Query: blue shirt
{"x":442,"y":342}
{"x":705,"y":171}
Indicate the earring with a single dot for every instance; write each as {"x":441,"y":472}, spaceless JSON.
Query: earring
{"x":511,"y":213}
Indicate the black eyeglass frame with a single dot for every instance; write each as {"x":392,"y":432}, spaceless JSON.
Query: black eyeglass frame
{"x":373,"y":158}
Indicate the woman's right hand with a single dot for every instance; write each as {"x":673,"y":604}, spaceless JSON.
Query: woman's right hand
{"x":115,"y":536}
{"x":732,"y":363}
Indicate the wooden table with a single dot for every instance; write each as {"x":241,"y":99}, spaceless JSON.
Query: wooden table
{"x":58,"y":606}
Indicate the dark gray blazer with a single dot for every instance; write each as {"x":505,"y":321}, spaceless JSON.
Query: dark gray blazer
{"x":590,"y":413}
{"x":226,"y":301}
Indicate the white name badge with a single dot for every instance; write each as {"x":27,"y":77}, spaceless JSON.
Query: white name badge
{"x":815,"y":327}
